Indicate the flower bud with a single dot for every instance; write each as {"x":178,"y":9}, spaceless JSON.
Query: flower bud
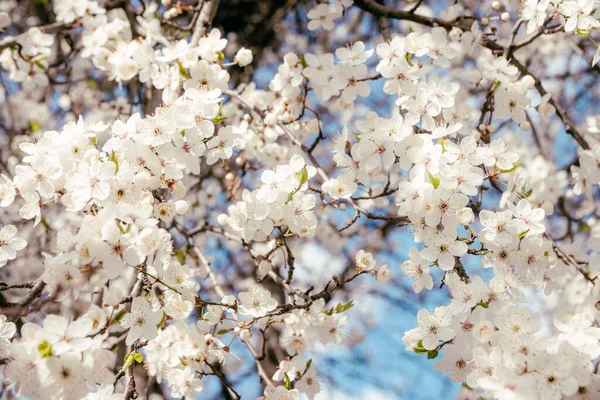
{"x":383,"y":274}
{"x":245,"y":335}
{"x":505,"y":17}
{"x":528,"y":81}
{"x":496,"y":5}
{"x":243,"y":57}
{"x":223,"y":219}
{"x":264,"y":267}
{"x":485,"y":21}
{"x":181,"y":207}
{"x":525,"y":125}
{"x":474,"y":77}
{"x":465,"y":216}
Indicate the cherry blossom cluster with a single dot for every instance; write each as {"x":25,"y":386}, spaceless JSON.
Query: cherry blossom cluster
{"x":121,"y":216}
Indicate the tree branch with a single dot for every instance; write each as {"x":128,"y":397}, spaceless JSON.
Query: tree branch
{"x":204,"y":22}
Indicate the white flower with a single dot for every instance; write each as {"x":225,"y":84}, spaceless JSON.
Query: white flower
{"x":276,"y":185}
{"x":355,"y":54}
{"x":104,"y":392}
{"x":383,"y":274}
{"x":365,"y":260}
{"x":66,"y":336}
{"x":527,"y":218}
{"x":322,"y":16}
{"x":280,"y":393}
{"x":435,"y":328}
{"x":443,"y":248}
{"x":577,"y":14}
{"x":4,"y":20}
{"x":309,"y":384}
{"x":92,"y":181}
{"x":221,"y":146}
{"x":141,"y":321}
{"x":534,"y":11}
{"x":184,"y":383}
{"x":7,"y":331}
{"x":10,"y":244}
{"x":340,"y":188}
{"x":457,"y":357}
{"x":580,"y":333}
{"x":350,"y":81}
{"x":331,"y":329}
{"x":256,"y":302}
{"x":418,"y":268}
{"x":7,"y":191}
{"x":40,"y":176}
{"x":243,"y":57}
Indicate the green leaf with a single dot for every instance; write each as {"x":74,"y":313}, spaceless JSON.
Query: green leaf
{"x":115,"y":159}
{"x":162,"y":320}
{"x":435,"y":179}
{"x":182,"y":71}
{"x":219,"y":118}
{"x":223,"y":331}
{"x":441,"y":142}
{"x":302,"y":175}
{"x":34,"y":125}
{"x":44,"y":223}
{"x":526,"y":194}
{"x":482,"y":304}
{"x":181,"y":256}
{"x":119,"y":226}
{"x":41,"y":57}
{"x":522,"y":234}
{"x":432,"y":354}
{"x":288,"y":383}
{"x":420,"y":349}
{"x":45,"y":349}
{"x":308,"y":363}
{"x":221,"y":55}
{"x":130,"y":359}
{"x":582,"y":227}
{"x":340,"y":308}
{"x":40,"y":65}
{"x":120,"y":315}
{"x":515,"y":165}
{"x":303,"y":61}
{"x":138,"y":357}
{"x":37,"y":60}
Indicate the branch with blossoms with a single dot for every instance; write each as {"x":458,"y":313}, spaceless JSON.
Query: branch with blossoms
{"x":186,"y":206}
